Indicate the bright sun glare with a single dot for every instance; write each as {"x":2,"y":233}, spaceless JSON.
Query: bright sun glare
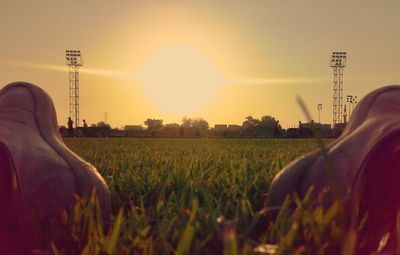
{"x":181,"y":79}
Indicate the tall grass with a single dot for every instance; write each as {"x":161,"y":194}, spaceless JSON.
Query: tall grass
{"x":206,"y":196}
{"x":193,"y":196}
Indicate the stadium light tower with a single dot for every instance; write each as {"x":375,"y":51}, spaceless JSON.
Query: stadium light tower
{"x":319,"y":113}
{"x":337,"y":63}
{"x":74,"y":61}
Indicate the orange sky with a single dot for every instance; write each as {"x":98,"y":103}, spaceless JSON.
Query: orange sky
{"x":245,"y":57}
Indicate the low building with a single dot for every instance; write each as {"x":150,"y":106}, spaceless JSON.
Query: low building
{"x":308,"y":129}
{"x":220,"y":127}
{"x":135,"y":131}
{"x":133,"y":128}
{"x":234,"y":128}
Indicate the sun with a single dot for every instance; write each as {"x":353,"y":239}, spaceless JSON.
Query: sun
{"x":181,"y":79}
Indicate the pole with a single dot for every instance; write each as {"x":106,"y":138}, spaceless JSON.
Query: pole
{"x":319,"y":116}
{"x":319,"y":113}
{"x":349,"y":108}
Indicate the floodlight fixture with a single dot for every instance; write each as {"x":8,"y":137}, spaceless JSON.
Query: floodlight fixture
{"x":338,"y":59}
{"x":353,"y":102}
{"x":350,"y":102}
{"x":73,"y":58}
{"x":349,"y":98}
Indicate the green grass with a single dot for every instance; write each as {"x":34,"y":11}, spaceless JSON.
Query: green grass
{"x":207,"y":196}
{"x":186,"y":196}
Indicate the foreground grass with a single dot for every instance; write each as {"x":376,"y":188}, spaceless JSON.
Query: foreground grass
{"x":185,"y":196}
{"x":217,"y":171}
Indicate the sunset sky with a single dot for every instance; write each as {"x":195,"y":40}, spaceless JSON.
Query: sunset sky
{"x":219,"y":60}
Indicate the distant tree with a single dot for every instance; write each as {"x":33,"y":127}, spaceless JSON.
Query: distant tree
{"x":270,"y":125}
{"x":103,"y":124}
{"x":171,"y":126}
{"x":93,"y":125}
{"x":197,"y":126}
{"x":200,"y":125}
{"x":250,"y":122}
{"x":153,"y":125}
{"x":268,"y":121}
{"x":186,"y":125}
{"x":266,"y":126}
{"x":171,"y":129}
{"x":187,"y":122}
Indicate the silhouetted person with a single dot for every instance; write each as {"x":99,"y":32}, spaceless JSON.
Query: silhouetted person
{"x":300,"y":130}
{"x":70,"y":128}
{"x":85,"y":126}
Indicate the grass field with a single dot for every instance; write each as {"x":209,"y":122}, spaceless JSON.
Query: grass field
{"x":184,"y":196}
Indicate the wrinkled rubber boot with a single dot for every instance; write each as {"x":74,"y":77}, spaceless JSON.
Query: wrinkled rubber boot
{"x":39,"y":174}
{"x":8,"y":202}
{"x":365,"y":162}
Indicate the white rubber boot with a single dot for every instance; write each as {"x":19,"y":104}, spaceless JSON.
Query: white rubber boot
{"x":39,"y":173}
{"x":365,"y":163}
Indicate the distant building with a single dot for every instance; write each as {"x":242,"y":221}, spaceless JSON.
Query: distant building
{"x":338,"y":129}
{"x":313,"y":124}
{"x":308,"y":129}
{"x":117,"y":133}
{"x":135,"y":131}
{"x":220,"y":127}
{"x":234,"y":128}
{"x":234,"y":131}
{"x":133,"y":128}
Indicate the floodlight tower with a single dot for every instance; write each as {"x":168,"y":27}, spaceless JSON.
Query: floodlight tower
{"x":337,"y":63}
{"x":74,"y":61}
{"x":319,"y":113}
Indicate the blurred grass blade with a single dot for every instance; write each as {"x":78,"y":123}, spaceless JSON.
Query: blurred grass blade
{"x":349,"y":243}
{"x":111,"y":242}
{"x":188,"y":234}
{"x":230,"y":245}
{"x":329,"y":165}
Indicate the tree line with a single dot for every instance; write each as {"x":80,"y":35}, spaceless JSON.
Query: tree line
{"x":198,"y":127}
{"x":266,"y":126}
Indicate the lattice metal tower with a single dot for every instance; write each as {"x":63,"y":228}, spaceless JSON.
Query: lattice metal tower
{"x":338,"y":62}
{"x":74,"y":61}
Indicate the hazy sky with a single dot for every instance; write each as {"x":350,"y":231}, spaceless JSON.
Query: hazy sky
{"x":240,"y":57}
